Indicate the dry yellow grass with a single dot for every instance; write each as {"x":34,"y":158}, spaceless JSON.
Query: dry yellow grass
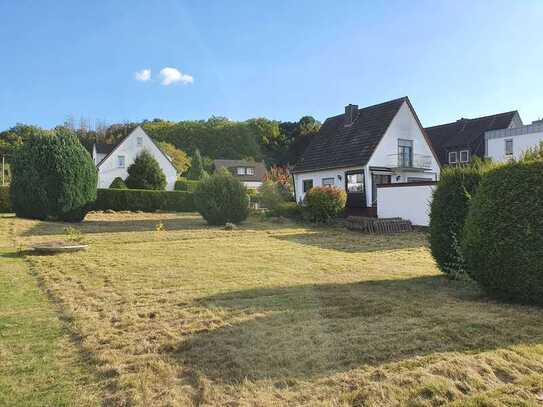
{"x":279,"y":314}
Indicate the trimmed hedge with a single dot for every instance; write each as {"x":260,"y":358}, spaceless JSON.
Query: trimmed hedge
{"x":53,"y":177}
{"x":5,"y":200}
{"x":221,"y":198}
{"x":503,"y":240}
{"x":448,"y":212}
{"x":144,"y":200}
{"x":324,"y":203}
{"x":184,"y":184}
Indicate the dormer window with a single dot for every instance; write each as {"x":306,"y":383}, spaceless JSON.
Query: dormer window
{"x":453,"y":159}
{"x":240,"y":171}
{"x":250,"y":171}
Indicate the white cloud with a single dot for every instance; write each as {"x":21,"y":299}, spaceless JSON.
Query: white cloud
{"x":144,"y":75}
{"x":172,"y":75}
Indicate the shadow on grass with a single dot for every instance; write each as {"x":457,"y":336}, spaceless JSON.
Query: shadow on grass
{"x":116,"y":225}
{"x":311,"y":331}
{"x":355,"y":242}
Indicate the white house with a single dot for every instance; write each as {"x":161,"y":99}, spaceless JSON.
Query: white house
{"x":511,"y":143}
{"x":113,"y":160}
{"x":363,"y":148}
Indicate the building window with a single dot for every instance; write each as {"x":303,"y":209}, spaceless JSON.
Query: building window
{"x":250,"y":171}
{"x":464,"y":156}
{"x":241,"y":171}
{"x":355,"y":183}
{"x":452,"y":157}
{"x":405,"y":153}
{"x":328,"y":182}
{"x":139,"y":141}
{"x":120,"y":161}
{"x":307,"y":184}
{"x":509,"y":147}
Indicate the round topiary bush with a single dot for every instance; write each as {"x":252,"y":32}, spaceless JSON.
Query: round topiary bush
{"x":221,"y":198}
{"x":118,"y":183}
{"x":53,"y":177}
{"x":145,"y":173}
{"x":448,"y":212}
{"x":503,"y":235}
{"x":324,"y":203}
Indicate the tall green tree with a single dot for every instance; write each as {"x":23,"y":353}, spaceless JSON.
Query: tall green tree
{"x":196,"y":171}
{"x":145,"y":173}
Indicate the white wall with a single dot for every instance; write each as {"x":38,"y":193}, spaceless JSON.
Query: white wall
{"x":317,"y":177}
{"x":521,"y":143}
{"x":403,"y":126}
{"x":109,"y":170}
{"x":406,"y":202}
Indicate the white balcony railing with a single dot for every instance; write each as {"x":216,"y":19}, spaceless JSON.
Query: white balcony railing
{"x":416,"y":161}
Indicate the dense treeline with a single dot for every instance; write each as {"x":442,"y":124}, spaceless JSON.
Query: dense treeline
{"x":275,"y":142}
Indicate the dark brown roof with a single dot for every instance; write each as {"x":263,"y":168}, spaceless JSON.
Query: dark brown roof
{"x":467,"y":133}
{"x":338,"y":146}
{"x":105,"y":148}
{"x":232,"y":165}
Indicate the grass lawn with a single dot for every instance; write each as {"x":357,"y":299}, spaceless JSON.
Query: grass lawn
{"x":268,"y":314}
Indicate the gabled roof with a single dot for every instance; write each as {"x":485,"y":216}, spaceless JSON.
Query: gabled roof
{"x":112,"y":147}
{"x":468,"y":133}
{"x":102,"y":148}
{"x":231,"y":165}
{"x":337,"y":145}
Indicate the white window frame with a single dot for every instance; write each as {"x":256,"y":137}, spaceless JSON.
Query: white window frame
{"x":121,"y":161}
{"x":509,"y":140}
{"x":250,"y":171}
{"x":455,"y":157}
{"x":139,"y":141}
{"x":467,"y":155}
{"x":328,"y":182}
{"x":240,"y":171}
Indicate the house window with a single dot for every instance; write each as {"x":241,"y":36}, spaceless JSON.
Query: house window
{"x":355,"y":183}
{"x":307,"y":185}
{"x":328,"y":182}
{"x":139,"y":141}
{"x":241,"y":171}
{"x":452,"y":157}
{"x":464,"y":156}
{"x":509,"y":147}
{"x":405,"y":153}
{"x":120,"y":161}
{"x":250,"y":171}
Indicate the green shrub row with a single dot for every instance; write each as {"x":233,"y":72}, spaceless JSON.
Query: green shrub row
{"x":5,"y":200}
{"x":503,"y":233}
{"x":290,"y":210}
{"x":184,"y":184}
{"x":144,"y":200}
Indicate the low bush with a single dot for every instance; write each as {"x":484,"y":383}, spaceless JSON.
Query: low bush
{"x":322,"y":204}
{"x":221,"y":198}
{"x":289,"y":210}
{"x":143,"y":200}
{"x":448,"y":212}
{"x":503,"y":235}
{"x":183,"y":184}
{"x":271,"y":195}
{"x":5,"y":200}
{"x":118,"y":183}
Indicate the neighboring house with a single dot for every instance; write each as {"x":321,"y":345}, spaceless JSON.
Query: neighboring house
{"x":362,"y":148}
{"x":112,"y":160}
{"x":251,"y":174}
{"x":458,"y":142}
{"x":511,"y":143}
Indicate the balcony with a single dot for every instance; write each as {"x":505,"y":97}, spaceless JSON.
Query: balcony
{"x":416,"y":162}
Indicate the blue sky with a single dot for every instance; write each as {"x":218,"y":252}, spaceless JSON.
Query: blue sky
{"x":277,"y":59}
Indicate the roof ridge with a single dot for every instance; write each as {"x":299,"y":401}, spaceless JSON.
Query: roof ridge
{"x":475,"y":118}
{"x":371,"y":106}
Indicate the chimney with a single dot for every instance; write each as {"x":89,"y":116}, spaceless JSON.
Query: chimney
{"x":351,"y":112}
